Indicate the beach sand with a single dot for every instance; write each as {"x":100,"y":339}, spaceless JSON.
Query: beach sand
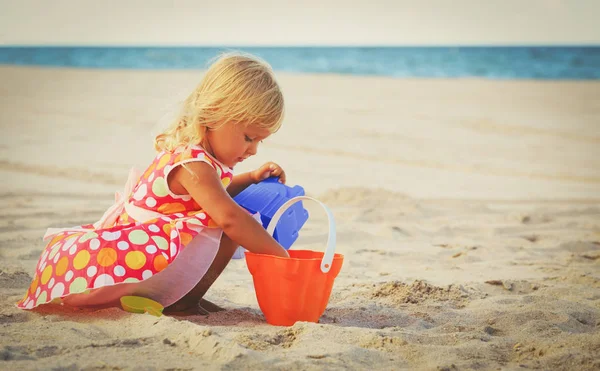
{"x":468,"y":212}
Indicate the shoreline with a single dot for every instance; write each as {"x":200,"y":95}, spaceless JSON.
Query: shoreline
{"x":314,"y":74}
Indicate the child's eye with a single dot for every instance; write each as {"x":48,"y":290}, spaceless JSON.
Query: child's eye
{"x":247,"y":138}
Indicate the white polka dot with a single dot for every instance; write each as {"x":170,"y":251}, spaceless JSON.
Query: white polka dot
{"x":45,"y":255}
{"x":179,"y":215}
{"x":111,"y":236}
{"x":173,"y":249}
{"x":151,"y":178}
{"x":73,"y":249}
{"x":196,"y":228}
{"x":166,"y":218}
{"x":92,"y":270}
{"x":201,"y":215}
{"x":57,"y":291}
{"x":69,"y":276}
{"x":37,"y":292}
{"x":151,"y":249}
{"x":43,"y":266}
{"x":103,"y":280}
{"x":68,"y":244}
{"x":51,"y":283}
{"x":164,"y":254}
{"x":119,"y":271}
{"x":173,"y":234}
{"x":29,"y":305}
{"x":193,"y":221}
{"x":150,"y":202}
{"x":168,"y":169}
{"x":141,"y":192}
{"x":147,"y":274}
{"x":56,"y":258}
{"x":123,"y":245}
{"x":94,"y":244}
{"x":179,"y":225}
{"x":186,"y":198}
{"x":153,"y":228}
{"x":43,"y":298}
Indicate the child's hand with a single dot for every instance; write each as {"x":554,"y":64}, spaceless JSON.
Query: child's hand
{"x":270,"y":169}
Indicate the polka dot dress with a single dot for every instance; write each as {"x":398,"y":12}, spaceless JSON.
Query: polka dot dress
{"x":76,"y":261}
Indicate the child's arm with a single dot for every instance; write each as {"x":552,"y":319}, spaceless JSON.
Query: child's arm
{"x":242,"y":181}
{"x":239,"y":183}
{"x":203,"y":184}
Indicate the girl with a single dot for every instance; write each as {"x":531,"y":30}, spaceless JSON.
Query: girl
{"x":177,"y":226}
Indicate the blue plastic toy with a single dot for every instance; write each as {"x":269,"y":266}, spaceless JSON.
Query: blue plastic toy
{"x":265,"y":198}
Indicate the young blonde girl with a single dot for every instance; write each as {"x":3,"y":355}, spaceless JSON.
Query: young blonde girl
{"x":176,"y":227}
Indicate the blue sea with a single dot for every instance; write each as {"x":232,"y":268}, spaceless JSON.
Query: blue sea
{"x":521,"y":62}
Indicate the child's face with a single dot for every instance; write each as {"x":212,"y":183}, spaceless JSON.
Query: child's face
{"x":233,"y":143}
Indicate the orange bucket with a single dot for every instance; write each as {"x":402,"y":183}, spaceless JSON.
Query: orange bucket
{"x":296,"y":288}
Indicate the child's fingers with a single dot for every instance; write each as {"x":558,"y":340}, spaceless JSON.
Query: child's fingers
{"x":274,"y":170}
{"x":279,"y":173}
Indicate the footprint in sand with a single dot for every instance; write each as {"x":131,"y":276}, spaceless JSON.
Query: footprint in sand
{"x":399,"y":293}
{"x":515,"y":287}
{"x":535,"y":219}
{"x":15,"y":280}
{"x":261,"y":342}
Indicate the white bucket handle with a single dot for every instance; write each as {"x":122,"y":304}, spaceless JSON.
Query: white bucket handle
{"x":330,"y":251}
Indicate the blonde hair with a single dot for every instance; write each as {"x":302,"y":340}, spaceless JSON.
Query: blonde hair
{"x":239,"y":88}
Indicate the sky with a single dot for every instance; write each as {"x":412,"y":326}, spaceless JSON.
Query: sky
{"x":314,"y":23}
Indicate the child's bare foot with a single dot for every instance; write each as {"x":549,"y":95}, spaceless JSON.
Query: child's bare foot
{"x":209,"y":306}
{"x":186,"y":308}
{"x":193,"y":307}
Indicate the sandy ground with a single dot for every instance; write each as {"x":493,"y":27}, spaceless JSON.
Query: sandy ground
{"x":468,"y":212}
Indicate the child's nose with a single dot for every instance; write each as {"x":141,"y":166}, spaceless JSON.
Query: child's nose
{"x":252,"y":149}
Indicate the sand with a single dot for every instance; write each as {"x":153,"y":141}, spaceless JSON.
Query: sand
{"x":468,"y":212}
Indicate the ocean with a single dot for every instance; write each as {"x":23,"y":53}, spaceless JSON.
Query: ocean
{"x":518,"y":62}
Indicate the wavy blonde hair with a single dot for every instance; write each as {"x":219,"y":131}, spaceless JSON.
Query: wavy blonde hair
{"x":237,"y":87}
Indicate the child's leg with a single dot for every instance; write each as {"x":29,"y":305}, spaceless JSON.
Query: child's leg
{"x":193,"y":299}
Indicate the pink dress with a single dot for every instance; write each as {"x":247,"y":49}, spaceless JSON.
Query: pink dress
{"x":151,"y":243}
